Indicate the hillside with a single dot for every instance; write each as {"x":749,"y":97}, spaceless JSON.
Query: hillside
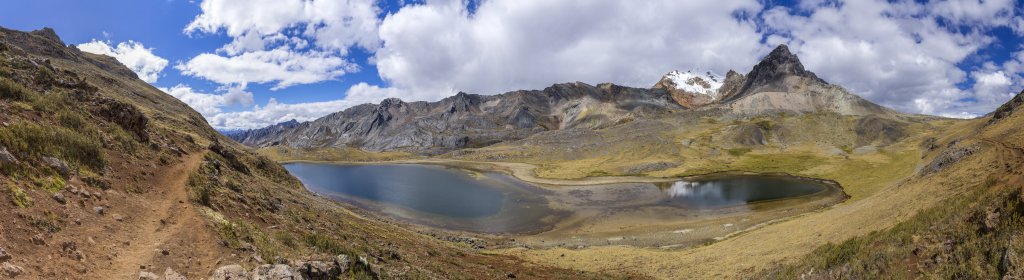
{"x":106,"y":177}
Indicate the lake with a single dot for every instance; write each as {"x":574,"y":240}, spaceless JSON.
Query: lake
{"x":494,"y":202}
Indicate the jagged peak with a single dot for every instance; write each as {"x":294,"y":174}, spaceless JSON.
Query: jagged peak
{"x":48,"y":33}
{"x":771,"y":72}
{"x":391,"y":101}
{"x":291,"y":122}
{"x":779,"y":62}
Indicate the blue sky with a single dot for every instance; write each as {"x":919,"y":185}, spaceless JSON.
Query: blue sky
{"x":246,"y":64}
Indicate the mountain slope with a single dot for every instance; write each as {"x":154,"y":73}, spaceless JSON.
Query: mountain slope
{"x":972,"y":234}
{"x":103,"y":176}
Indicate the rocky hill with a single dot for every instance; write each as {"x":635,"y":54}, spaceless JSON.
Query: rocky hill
{"x":778,"y":84}
{"x":103,"y":176}
{"x":467,"y":120}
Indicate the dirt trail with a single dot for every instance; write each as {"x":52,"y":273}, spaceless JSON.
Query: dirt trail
{"x":168,"y":232}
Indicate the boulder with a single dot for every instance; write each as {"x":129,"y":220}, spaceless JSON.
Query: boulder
{"x":59,"y":165}
{"x":230,"y":272}
{"x":11,"y":270}
{"x":6,"y":157}
{"x":145,"y":275}
{"x":59,"y":197}
{"x":4,"y":256}
{"x":274,"y":272}
{"x":170,"y":274}
{"x":99,"y":210}
{"x":38,"y":239}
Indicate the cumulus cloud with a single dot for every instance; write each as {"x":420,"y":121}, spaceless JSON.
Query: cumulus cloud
{"x":435,"y":48}
{"x":134,"y":55}
{"x":336,"y":25}
{"x":276,"y":112}
{"x":287,"y":42}
{"x":209,"y":104}
{"x":906,"y":58}
{"x":282,"y":65}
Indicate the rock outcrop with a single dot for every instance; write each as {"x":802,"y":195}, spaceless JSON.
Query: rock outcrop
{"x":1007,"y":108}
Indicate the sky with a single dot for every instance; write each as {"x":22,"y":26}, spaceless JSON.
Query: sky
{"x":252,"y":63}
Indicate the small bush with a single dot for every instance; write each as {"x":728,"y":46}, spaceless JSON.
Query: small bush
{"x":9,"y":89}
{"x":323,"y":244}
{"x":738,"y":151}
{"x":20,"y":198}
{"x":51,"y":184}
{"x":765,"y":125}
{"x":202,"y":191}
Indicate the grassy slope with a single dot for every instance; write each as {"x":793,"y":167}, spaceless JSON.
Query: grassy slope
{"x":974,"y":234}
{"x":57,"y":102}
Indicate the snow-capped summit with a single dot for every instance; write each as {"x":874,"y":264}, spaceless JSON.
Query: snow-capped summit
{"x":706,"y":83}
{"x":692,"y":88}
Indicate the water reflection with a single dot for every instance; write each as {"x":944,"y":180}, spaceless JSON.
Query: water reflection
{"x":738,"y":190}
{"x":432,"y":195}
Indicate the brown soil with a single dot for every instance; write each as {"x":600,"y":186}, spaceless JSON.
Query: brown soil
{"x":168,"y":224}
{"x":157,"y":220}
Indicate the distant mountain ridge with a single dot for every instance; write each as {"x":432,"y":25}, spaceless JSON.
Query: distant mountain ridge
{"x":778,"y":83}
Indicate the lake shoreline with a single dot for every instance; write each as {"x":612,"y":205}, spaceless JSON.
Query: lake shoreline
{"x":625,"y":226}
{"x":525,"y":172}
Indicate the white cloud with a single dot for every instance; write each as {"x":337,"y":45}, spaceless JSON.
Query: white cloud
{"x":904,"y":58}
{"x":287,"y":42}
{"x":275,"y":112}
{"x":284,"y":66}
{"x":210,"y":104}
{"x":987,"y":12}
{"x":335,"y":25}
{"x":132,"y":54}
{"x":438,"y":47}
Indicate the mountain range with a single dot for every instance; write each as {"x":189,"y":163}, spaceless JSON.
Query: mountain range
{"x":779,"y":83}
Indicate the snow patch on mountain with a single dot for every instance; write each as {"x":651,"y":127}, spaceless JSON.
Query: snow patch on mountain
{"x":707,"y":83}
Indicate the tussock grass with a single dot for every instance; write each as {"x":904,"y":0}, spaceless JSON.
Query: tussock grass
{"x":953,"y":240}
{"x":34,"y":140}
{"x":11,"y":90}
{"x":20,"y":198}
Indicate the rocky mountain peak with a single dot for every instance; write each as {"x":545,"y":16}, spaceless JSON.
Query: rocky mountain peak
{"x":691,"y":88}
{"x":773,"y":73}
{"x":691,"y":81}
{"x":778,"y":64}
{"x":49,"y":34}
{"x":391,"y":102}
